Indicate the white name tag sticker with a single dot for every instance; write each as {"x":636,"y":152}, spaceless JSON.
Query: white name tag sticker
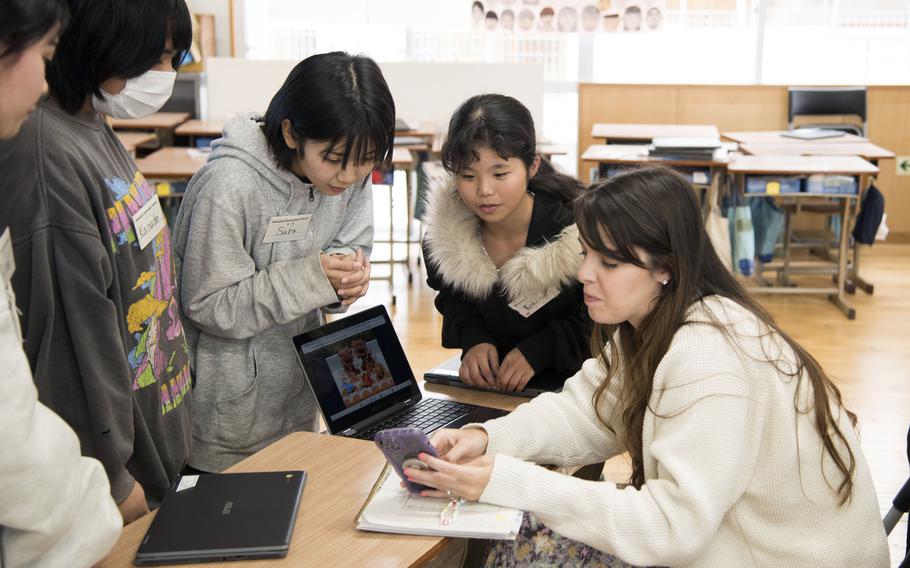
{"x":527,"y":307}
{"x":148,"y":221}
{"x":187,"y":482}
{"x":287,"y":228}
{"x":7,"y":262}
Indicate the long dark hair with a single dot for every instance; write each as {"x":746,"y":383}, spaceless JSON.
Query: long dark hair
{"x":655,"y":210}
{"x":24,"y":22}
{"x":504,"y":125}
{"x":114,"y":38}
{"x":333,"y":97}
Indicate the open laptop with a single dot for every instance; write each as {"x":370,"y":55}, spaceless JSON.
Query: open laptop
{"x":224,"y":516}
{"x":446,"y":373}
{"x":363,"y":382}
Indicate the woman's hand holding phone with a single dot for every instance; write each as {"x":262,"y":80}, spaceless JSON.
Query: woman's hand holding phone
{"x":458,"y":446}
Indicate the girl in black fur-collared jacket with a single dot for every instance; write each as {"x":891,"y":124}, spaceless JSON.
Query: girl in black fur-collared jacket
{"x":502,"y":249}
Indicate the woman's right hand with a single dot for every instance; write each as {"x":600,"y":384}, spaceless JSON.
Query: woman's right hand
{"x":479,"y":366}
{"x":458,"y":446}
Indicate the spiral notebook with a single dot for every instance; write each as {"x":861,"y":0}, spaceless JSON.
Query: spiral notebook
{"x":390,"y":508}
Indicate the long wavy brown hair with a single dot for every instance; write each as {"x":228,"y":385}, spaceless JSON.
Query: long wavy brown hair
{"x":655,"y":210}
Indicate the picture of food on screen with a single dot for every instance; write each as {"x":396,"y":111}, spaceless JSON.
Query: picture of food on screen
{"x":360,"y":371}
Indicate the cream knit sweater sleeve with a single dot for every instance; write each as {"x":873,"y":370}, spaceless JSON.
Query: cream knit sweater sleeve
{"x":704,"y":439}
{"x":560,"y":428}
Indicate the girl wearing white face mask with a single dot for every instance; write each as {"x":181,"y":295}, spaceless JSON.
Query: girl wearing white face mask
{"x":94,"y":278}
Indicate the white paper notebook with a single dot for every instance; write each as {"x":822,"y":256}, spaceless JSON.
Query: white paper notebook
{"x":392,"y":509}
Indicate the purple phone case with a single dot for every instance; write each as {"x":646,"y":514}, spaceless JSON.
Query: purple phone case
{"x":401,"y":444}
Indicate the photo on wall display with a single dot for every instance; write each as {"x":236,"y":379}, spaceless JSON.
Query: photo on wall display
{"x":360,"y":371}
{"x":568,"y":16}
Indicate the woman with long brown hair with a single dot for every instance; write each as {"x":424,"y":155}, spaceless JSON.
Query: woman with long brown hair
{"x":742,"y":452}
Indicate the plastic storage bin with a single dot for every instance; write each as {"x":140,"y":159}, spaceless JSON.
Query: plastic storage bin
{"x":773,"y":185}
{"x":820,"y":183}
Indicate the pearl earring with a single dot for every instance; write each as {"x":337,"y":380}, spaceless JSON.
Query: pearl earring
{"x":665,"y":282}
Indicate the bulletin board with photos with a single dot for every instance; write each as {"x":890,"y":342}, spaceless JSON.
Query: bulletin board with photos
{"x":568,"y":16}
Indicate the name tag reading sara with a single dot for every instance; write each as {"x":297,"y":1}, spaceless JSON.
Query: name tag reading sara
{"x":527,"y":307}
{"x":286,"y":228}
{"x":148,"y":221}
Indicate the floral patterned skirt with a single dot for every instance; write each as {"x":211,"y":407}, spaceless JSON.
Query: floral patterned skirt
{"x":538,"y":546}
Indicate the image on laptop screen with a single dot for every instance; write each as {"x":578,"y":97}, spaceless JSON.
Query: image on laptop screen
{"x":356,"y":367}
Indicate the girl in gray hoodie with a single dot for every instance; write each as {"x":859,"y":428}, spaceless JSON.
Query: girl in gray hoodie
{"x":276,"y":227}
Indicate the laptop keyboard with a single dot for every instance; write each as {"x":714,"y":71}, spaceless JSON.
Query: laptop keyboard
{"x":428,"y":415}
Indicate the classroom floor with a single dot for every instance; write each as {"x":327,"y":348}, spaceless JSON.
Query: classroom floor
{"x":868,"y":358}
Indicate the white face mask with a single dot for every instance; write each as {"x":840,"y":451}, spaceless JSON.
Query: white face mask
{"x":142,"y":96}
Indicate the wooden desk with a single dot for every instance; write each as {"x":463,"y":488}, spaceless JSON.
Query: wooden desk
{"x":163,"y":123}
{"x":634,"y":155}
{"x":423,"y":130}
{"x":131,"y":140}
{"x":648,"y":132}
{"x":629,"y":154}
{"x":172,"y":163}
{"x":774,"y":137}
{"x":159,"y":120}
{"x":340,"y":474}
{"x":200,"y":128}
{"x":550,"y":150}
{"x":412,"y":143}
{"x":865,"y":150}
{"x":740,"y":166}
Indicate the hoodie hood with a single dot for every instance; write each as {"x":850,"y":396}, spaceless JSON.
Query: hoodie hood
{"x":244,"y":140}
{"x":455,"y":248}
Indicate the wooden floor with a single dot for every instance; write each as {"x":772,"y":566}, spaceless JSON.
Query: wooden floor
{"x":869,"y":358}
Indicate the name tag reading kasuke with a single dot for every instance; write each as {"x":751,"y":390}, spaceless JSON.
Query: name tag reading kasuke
{"x":148,"y":221}
{"x":528,"y":307}
{"x":286,"y":228}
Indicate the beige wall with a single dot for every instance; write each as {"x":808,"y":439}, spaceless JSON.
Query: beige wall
{"x":748,"y":107}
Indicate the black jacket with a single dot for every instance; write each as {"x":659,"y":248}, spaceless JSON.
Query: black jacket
{"x":474,"y":297}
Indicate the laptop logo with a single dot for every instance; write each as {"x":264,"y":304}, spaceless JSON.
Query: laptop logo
{"x":227,"y":508}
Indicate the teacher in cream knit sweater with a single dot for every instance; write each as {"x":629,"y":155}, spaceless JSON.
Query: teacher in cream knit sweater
{"x":742,"y":452}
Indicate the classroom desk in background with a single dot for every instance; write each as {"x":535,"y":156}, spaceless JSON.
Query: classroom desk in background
{"x":159,"y":120}
{"x":340,"y":475}
{"x":200,"y":128}
{"x":865,"y":150}
{"x":426,"y":130}
{"x":628,"y":155}
{"x":775,"y":137}
{"x":741,"y":166}
{"x":645,"y":133}
{"x":550,"y":150}
{"x":131,"y":140}
{"x":172,"y":163}
{"x":163,"y":123}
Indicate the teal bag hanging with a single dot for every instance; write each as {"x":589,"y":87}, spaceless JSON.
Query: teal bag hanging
{"x":768,"y":222}
{"x":742,"y":236}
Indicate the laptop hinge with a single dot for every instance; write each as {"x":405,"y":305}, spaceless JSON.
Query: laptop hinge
{"x":371,"y":421}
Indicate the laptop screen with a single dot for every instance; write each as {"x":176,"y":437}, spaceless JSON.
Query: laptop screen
{"x":356,"y":367}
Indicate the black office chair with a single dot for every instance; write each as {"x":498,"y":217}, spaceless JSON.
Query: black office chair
{"x":899,"y":508}
{"x":828,"y":101}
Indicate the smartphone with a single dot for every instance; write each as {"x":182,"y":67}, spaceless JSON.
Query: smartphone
{"x":401,"y":447}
